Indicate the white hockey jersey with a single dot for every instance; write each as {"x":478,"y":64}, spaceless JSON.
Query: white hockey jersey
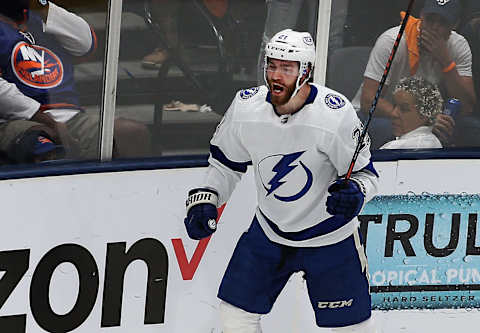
{"x":295,"y":158}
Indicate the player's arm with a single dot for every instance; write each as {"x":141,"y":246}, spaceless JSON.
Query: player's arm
{"x":228,"y":161}
{"x":72,"y":31}
{"x":348,"y":196}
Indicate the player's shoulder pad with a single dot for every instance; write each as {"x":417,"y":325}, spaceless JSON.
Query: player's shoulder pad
{"x":252,"y":94}
{"x":332,"y":100}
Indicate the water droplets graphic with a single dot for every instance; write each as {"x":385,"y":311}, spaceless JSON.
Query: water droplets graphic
{"x":456,"y":267}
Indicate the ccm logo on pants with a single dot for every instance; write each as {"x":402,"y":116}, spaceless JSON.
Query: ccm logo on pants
{"x":335,"y":304}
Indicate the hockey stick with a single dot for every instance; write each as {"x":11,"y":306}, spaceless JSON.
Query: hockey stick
{"x":379,"y":90}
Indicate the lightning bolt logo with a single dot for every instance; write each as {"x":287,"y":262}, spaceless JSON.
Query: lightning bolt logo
{"x":282,"y":169}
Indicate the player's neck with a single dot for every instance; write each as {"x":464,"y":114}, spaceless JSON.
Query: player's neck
{"x":296,"y":102}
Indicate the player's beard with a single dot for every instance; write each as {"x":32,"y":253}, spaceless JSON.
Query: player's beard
{"x":284,"y":97}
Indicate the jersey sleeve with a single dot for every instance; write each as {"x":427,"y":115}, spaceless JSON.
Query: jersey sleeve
{"x":343,"y":147}
{"x":345,"y":140}
{"x":72,"y":31}
{"x":228,"y":159}
{"x":14,"y":104}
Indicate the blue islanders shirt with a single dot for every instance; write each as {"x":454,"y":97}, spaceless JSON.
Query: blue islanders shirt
{"x":39,"y":59}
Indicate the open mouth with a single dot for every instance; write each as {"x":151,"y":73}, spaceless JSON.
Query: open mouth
{"x":277,"y":89}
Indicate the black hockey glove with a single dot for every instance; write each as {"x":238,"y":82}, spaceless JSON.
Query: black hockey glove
{"x":346,"y":199}
{"x":201,"y":220}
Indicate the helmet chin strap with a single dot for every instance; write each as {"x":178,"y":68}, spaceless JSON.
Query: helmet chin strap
{"x":298,"y":85}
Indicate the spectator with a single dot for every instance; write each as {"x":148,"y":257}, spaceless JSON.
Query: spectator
{"x":165,"y":13}
{"x":416,"y":104}
{"x":429,"y":49}
{"x":359,"y":30}
{"x":471,"y":31}
{"x":37,"y":88}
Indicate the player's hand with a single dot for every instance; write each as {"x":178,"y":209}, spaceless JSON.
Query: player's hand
{"x":346,"y":199}
{"x":443,"y":128}
{"x":201,"y":220}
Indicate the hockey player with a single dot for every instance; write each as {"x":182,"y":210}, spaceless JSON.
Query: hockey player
{"x":37,"y":87}
{"x":299,"y":137}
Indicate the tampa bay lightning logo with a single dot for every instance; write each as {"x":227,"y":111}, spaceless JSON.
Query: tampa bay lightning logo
{"x":247,"y":93}
{"x":308,"y":40}
{"x":334,"y":101}
{"x":278,"y":175}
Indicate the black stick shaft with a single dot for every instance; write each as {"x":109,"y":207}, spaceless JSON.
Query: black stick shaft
{"x":379,"y":90}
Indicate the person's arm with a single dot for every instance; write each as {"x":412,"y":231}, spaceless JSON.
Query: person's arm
{"x":342,"y":148}
{"x":347,"y":197}
{"x":72,"y":31}
{"x":14,"y":104}
{"x":443,"y":128}
{"x":374,"y":72}
{"x":384,"y":108}
{"x":460,"y":87}
{"x":228,"y":161}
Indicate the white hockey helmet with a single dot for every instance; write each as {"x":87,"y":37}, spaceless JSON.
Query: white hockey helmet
{"x":294,"y":46}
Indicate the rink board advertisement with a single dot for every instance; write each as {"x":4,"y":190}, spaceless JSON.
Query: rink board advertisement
{"x":108,"y":252}
{"x":423,"y":250}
